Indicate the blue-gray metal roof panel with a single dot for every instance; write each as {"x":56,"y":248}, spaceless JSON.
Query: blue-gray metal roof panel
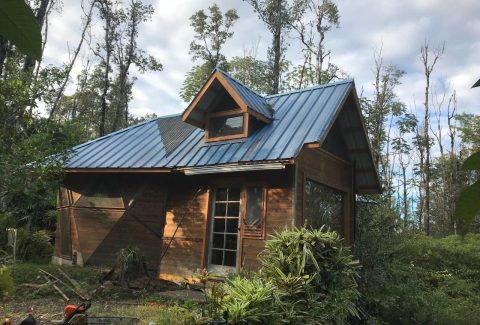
{"x":300,"y":117}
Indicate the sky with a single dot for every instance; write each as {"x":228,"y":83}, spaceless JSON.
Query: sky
{"x":399,"y":27}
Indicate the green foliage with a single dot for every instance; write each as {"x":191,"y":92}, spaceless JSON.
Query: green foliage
{"x":468,"y":205}
{"x":469,"y":129}
{"x":316,"y":274}
{"x":34,"y":246}
{"x":18,"y":24}
{"x":250,"y":301}
{"x":211,"y":33}
{"x":307,"y":277}
{"x":6,"y":282}
{"x":194,"y":80}
{"x":131,"y":265}
{"x":410,"y":278}
{"x":251,"y":72}
{"x":31,"y":170}
{"x":28,"y":273}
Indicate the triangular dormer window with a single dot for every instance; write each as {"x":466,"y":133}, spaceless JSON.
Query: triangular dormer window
{"x":226,"y":109}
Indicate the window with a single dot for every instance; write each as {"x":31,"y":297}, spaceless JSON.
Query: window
{"x":254,"y":214}
{"x":103,"y":193}
{"x":225,"y":126}
{"x":323,"y":206}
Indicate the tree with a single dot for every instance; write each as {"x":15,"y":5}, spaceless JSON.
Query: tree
{"x":250,"y":71}
{"x":380,"y":113}
{"x":104,"y":52}
{"x":126,"y":52}
{"x":276,"y":16}
{"x":211,"y":33}
{"x":86,"y":25}
{"x":317,"y":68}
{"x":428,"y":65}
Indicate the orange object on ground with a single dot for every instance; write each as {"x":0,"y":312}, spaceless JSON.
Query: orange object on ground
{"x":68,"y":310}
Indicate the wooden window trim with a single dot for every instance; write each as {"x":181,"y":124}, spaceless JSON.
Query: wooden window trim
{"x":252,"y":234}
{"x":233,"y":111}
{"x":244,"y":134}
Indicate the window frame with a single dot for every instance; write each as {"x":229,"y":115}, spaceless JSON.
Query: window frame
{"x":226,"y":113}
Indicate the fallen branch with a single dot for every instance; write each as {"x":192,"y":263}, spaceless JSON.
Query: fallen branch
{"x":56,"y":288}
{"x":51,"y":276}
{"x":78,"y":288}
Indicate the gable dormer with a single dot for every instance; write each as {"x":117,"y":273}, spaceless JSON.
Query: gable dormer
{"x":227,"y":109}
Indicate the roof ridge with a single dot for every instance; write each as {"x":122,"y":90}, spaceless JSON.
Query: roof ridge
{"x":345,"y":81}
{"x":241,"y":83}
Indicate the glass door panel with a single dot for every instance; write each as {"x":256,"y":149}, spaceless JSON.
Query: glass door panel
{"x":224,"y":233}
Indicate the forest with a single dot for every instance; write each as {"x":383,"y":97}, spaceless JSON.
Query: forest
{"x":418,"y":248}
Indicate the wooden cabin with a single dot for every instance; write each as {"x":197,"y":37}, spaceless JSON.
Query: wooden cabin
{"x":204,"y":189}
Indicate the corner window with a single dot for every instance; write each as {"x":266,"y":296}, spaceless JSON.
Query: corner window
{"x":225,"y":126}
{"x":323,"y":206}
{"x":254,"y":212}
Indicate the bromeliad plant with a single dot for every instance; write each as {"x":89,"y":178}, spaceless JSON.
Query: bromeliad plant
{"x":315,"y":273}
{"x":250,"y":301}
{"x":308,"y":277}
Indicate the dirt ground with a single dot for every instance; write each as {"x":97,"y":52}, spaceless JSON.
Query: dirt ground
{"x":47,"y":310}
{"x":160,"y":302}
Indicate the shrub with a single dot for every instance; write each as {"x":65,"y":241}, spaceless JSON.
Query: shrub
{"x":455,"y":254}
{"x":131,"y":265}
{"x":307,"y":277}
{"x":6,"y":282}
{"x":425,"y":280}
{"x":34,"y":246}
{"x":250,"y":301}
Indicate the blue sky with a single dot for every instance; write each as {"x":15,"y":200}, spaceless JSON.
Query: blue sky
{"x":401,"y":26}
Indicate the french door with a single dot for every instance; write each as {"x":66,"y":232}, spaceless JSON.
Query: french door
{"x":224,"y":231}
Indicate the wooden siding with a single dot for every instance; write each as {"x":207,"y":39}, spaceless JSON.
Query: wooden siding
{"x":323,"y":167}
{"x":159,"y":207}
{"x":187,"y":206}
{"x":98,"y":233}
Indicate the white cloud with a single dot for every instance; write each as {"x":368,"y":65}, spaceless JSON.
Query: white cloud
{"x":401,"y":25}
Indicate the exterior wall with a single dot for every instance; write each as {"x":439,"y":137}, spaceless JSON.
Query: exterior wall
{"x":189,"y":249}
{"x":323,"y":167}
{"x":98,"y":233}
{"x":171,"y":206}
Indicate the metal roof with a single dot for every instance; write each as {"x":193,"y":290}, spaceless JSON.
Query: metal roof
{"x":252,"y":99}
{"x":300,"y":117}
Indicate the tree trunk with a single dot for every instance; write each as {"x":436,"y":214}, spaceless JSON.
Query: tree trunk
{"x":72,"y":62}
{"x":108,"y":51}
{"x":3,"y":53}
{"x":277,"y":49}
